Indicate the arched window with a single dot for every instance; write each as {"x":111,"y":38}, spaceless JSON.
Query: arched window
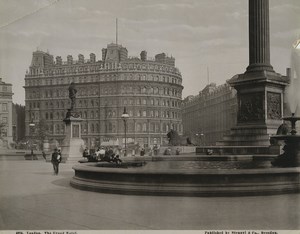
{"x":164,"y":127}
{"x":152,"y":127}
{"x":144,"y":127}
{"x":138,"y":127}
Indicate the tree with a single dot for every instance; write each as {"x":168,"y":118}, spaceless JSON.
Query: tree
{"x":41,"y":131}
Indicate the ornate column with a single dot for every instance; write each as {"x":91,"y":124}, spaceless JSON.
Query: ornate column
{"x":259,"y":36}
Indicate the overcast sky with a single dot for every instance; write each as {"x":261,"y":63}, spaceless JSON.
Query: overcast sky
{"x":198,"y":33}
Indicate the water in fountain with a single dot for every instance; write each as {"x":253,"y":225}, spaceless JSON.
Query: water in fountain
{"x":293,"y":94}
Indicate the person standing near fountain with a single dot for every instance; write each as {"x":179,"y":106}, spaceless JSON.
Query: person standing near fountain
{"x":56,"y":159}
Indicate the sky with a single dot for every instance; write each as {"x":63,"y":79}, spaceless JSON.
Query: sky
{"x":208,"y":38}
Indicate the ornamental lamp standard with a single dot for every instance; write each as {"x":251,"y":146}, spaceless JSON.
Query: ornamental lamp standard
{"x":31,"y":129}
{"x":201,"y":137}
{"x":125,"y":116}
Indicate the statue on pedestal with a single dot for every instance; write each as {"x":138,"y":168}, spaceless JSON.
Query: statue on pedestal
{"x":72,"y":144}
{"x":72,"y":95}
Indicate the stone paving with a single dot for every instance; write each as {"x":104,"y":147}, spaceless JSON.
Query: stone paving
{"x":32,"y":198}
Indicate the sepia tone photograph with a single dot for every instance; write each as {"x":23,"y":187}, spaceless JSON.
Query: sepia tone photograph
{"x":133,"y":115}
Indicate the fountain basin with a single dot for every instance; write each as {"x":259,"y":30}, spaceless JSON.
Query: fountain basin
{"x":186,"y":182}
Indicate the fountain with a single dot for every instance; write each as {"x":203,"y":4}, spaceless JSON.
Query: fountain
{"x":291,"y":155}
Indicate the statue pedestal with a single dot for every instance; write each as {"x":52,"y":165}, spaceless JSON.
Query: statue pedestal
{"x":73,"y":145}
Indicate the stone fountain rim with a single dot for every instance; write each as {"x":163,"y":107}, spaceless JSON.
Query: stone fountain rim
{"x":91,"y":168}
{"x":284,"y":137}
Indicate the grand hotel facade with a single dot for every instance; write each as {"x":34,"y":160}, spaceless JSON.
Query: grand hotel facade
{"x":150,"y":89}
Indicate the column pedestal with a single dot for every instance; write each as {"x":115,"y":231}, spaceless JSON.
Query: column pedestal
{"x":260,"y":107}
{"x":72,"y":146}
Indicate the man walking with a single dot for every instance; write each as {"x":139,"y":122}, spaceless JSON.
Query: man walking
{"x":56,"y":159}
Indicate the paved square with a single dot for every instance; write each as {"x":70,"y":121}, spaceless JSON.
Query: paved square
{"x":32,"y":198}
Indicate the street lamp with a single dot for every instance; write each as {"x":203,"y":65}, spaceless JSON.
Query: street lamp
{"x":201,"y":138}
{"x":125,"y":116}
{"x":31,"y":128}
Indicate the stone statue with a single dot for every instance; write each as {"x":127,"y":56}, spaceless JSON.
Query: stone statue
{"x":173,"y":137}
{"x":72,"y":95}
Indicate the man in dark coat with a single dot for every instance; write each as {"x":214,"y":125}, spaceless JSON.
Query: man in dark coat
{"x":56,"y":159}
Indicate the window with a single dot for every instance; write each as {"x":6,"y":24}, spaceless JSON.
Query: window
{"x":4,"y":119}
{"x":4,"y":106}
{"x":138,"y":127}
{"x":144,"y":127}
{"x":151,"y":113}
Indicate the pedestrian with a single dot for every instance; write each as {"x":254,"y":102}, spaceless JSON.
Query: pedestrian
{"x":142,"y":153}
{"x":117,"y":160}
{"x":31,"y":153}
{"x":44,"y":155}
{"x":56,"y":159}
{"x":155,"y":150}
{"x":101,"y":153}
{"x":150,"y":152}
{"x":177,"y":151}
{"x":85,"y":153}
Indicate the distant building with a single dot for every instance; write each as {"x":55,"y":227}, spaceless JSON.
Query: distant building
{"x":5,"y":114}
{"x":209,"y":115}
{"x":18,"y":122}
{"x":150,"y":89}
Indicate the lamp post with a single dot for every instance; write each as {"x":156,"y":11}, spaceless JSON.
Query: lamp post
{"x":201,"y":138}
{"x":31,"y":128}
{"x":125,"y":116}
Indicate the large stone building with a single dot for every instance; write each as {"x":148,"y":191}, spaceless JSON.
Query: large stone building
{"x":150,"y":89}
{"x":209,"y":115}
{"x":5,"y":114}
